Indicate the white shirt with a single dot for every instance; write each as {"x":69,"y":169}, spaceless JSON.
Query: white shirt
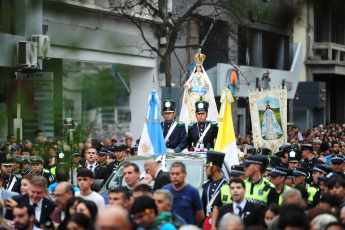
{"x":93,"y":166}
{"x":235,"y":207}
{"x":94,"y":197}
{"x":38,"y":209}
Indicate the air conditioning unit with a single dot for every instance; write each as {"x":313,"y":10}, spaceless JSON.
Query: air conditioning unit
{"x":27,"y":54}
{"x":43,"y":45}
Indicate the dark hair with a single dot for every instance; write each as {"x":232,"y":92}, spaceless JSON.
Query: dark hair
{"x":123,"y":190}
{"x":238,"y":180}
{"x":143,"y":202}
{"x":38,"y":131}
{"x":26,"y":150}
{"x":30,"y":209}
{"x":292,"y":215}
{"x":136,"y":168}
{"x":84,"y":172}
{"x":335,"y":224}
{"x":275,"y":208}
{"x":324,"y":146}
{"x":303,"y":192}
{"x":62,"y":172}
{"x":143,"y":188}
{"x":178,"y":164}
{"x":81,"y":220}
{"x":112,"y":156}
{"x":335,"y":180}
{"x":334,"y":142}
{"x":92,"y":207}
{"x":332,"y":200}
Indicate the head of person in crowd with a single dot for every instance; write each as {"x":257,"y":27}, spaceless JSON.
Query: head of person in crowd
{"x":335,"y":147}
{"x":107,"y":142}
{"x":278,"y":176}
{"x":237,"y":171}
{"x":292,"y":216}
{"x":76,"y":158}
{"x":201,"y":110}
{"x":237,"y":190}
{"x":25,"y":164}
{"x":80,"y":221}
{"x":11,"y":138}
{"x":113,"y":217}
{"x":178,"y":174}
{"x":337,"y":163}
{"x":144,"y":211}
{"x":294,"y":158}
{"x":163,"y":199}
{"x":35,"y":150}
{"x":37,"y":189}
{"x":63,"y":192}
{"x":305,"y":195}
{"x":85,"y":179}
{"x":169,"y":110}
{"x":255,"y":166}
{"x":88,"y":208}
{"x":27,"y":144}
{"x":299,"y":175}
{"x":269,"y":213}
{"x":317,"y":144}
{"x":129,"y":142}
{"x":120,"y":151}
{"x":142,"y":190}
{"x":91,"y":155}
{"x":289,"y":177}
{"x":292,"y":196}
{"x":213,"y":167}
{"x":131,"y":175}
{"x":15,"y":149}
{"x":119,"y":196}
{"x":336,"y":186}
{"x":320,"y":170}
{"x":6,"y":164}
{"x":17,"y":163}
{"x":231,"y":222}
{"x":23,"y":216}
{"x":330,"y":202}
{"x":36,"y":163}
{"x":25,"y":183}
{"x":102,"y":156}
{"x":111,"y":158}
{"x":321,"y":221}
{"x":151,"y":167}
{"x":52,"y":151}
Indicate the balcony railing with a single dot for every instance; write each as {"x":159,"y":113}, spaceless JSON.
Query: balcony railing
{"x":328,"y":51}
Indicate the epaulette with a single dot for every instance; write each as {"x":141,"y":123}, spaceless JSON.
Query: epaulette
{"x":181,"y":124}
{"x":190,"y":126}
{"x":205,"y":183}
{"x":18,"y":176}
{"x":46,"y":171}
{"x":214,"y":124}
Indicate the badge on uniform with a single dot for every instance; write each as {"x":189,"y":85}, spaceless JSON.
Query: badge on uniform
{"x":261,"y":192}
{"x":225,"y":197}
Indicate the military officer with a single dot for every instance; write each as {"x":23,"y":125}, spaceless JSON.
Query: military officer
{"x":17,"y":164}
{"x":202,"y":134}
{"x":37,"y":169}
{"x":294,"y":158}
{"x":309,"y":157}
{"x":76,"y":157}
{"x":216,"y":180}
{"x":26,"y":164}
{"x":174,"y":132}
{"x":274,"y":161}
{"x":11,"y":181}
{"x":120,"y":153}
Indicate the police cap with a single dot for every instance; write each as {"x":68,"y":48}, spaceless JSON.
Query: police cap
{"x":120,"y":147}
{"x":337,"y":158}
{"x":256,"y":159}
{"x":278,"y":171}
{"x":216,"y":158}
{"x":17,"y":159}
{"x":236,"y":170}
{"x":36,"y":160}
{"x":307,"y":147}
{"x":103,"y":152}
{"x":300,"y":171}
{"x":322,"y":168}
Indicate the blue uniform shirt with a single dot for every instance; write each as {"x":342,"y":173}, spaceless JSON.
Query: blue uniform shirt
{"x":178,"y":137}
{"x":195,"y":130}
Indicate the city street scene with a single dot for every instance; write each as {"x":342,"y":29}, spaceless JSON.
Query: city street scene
{"x":172,"y":114}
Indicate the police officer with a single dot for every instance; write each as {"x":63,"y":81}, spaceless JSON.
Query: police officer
{"x":102,"y":157}
{"x":300,"y":174}
{"x":216,"y":180}
{"x":76,"y":157}
{"x":309,"y":157}
{"x":294,"y":158}
{"x":319,"y":170}
{"x":37,"y":169}
{"x":174,"y":132}
{"x":278,"y":176}
{"x":337,"y":164}
{"x":17,"y":164}
{"x":26,"y":164}
{"x":11,"y":181}
{"x":120,"y":153}
{"x":201,"y":134}
{"x":237,"y":171}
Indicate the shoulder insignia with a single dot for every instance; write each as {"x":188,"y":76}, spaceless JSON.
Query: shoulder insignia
{"x":205,"y":183}
{"x":181,"y":124}
{"x":214,"y":124}
{"x":51,"y":178}
{"x":46,"y":171}
{"x":190,"y":126}
{"x":18,"y":176}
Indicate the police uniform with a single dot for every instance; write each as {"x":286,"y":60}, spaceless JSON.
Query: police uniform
{"x":103,"y":152}
{"x":261,"y":192}
{"x":280,"y":171}
{"x":322,"y":168}
{"x":44,"y":172}
{"x":25,"y":159}
{"x":113,"y":165}
{"x":177,"y":139}
{"x":211,"y":188}
{"x":196,"y":130}
{"x":312,"y":162}
{"x":11,"y":182}
{"x":313,"y":194}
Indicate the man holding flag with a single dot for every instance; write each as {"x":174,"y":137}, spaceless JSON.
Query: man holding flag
{"x":175,"y":135}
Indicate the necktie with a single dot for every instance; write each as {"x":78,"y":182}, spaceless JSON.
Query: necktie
{"x":91,"y":167}
{"x":239,"y":211}
{"x":34,"y":205}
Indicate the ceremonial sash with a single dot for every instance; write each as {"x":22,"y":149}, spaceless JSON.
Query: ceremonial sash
{"x":12,"y":183}
{"x":170,"y":132}
{"x":202,"y":136}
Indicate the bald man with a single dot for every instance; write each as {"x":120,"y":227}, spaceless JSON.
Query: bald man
{"x":113,"y":217}
{"x":154,"y":170}
{"x":63,"y":192}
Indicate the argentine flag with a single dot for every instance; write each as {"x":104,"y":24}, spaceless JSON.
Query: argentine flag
{"x":152,"y":139}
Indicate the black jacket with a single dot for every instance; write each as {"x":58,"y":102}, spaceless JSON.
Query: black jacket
{"x":48,"y":207}
{"x":252,"y":213}
{"x":163,"y":178}
{"x":100,"y":172}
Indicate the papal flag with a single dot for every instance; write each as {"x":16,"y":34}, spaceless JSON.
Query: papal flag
{"x":152,"y":139}
{"x":226,"y":141}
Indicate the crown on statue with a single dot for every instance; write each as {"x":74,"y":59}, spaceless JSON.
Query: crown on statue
{"x":199,"y":58}
{"x":267,"y":102}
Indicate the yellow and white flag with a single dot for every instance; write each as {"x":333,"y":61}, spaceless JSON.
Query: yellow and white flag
{"x":226,"y":141}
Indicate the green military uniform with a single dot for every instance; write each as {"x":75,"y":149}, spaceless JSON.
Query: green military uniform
{"x":44,"y":172}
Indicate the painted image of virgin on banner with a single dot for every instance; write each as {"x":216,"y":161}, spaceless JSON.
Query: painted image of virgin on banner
{"x":270,"y":119}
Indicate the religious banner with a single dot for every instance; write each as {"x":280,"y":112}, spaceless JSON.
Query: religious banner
{"x":268,"y":111}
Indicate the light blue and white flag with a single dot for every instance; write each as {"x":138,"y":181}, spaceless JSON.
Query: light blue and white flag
{"x":152,"y":139}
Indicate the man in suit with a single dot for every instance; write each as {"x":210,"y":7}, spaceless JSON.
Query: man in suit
{"x":92,"y":164}
{"x":63,"y":192}
{"x":42,"y":205}
{"x":249,"y":212}
{"x":160,"y":177}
